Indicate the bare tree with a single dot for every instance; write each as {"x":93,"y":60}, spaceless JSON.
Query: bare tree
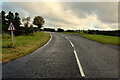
{"x":26,"y":21}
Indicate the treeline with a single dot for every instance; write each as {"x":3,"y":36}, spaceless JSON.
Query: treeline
{"x":110,"y":33}
{"x":53,"y":30}
{"x":25,"y":29}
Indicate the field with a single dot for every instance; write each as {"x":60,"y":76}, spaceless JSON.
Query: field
{"x":103,"y":38}
{"x":22,"y":45}
{"x":99,"y":38}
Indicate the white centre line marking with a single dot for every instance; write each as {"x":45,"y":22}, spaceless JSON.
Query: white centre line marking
{"x":77,"y":59}
{"x":71,"y":43}
{"x":79,"y":65}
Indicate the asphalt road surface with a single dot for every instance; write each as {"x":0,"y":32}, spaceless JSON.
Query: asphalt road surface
{"x":66,"y":56}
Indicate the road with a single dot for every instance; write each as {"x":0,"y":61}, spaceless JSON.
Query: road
{"x":66,"y":56}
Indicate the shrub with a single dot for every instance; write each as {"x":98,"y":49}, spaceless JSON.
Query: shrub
{"x":49,"y":29}
{"x":6,"y":36}
{"x":4,"y":28}
{"x":60,"y":30}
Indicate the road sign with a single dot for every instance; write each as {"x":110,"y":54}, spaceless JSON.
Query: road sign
{"x":11,"y":27}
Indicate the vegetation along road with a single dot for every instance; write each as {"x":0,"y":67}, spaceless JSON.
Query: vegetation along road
{"x":22,"y":46}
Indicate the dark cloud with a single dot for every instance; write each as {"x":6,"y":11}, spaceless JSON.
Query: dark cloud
{"x":10,"y":6}
{"x":106,"y":12}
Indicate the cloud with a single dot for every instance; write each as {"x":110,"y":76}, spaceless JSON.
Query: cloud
{"x":106,"y":12}
{"x":70,"y":15}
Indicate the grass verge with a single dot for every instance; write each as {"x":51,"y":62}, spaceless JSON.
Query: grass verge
{"x":22,"y":46}
{"x":103,"y":39}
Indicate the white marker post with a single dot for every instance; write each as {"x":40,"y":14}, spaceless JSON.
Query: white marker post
{"x":11,"y":28}
{"x":12,"y":36}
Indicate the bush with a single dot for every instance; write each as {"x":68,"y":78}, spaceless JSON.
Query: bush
{"x":25,"y":31}
{"x":4,"y":28}
{"x":69,"y":31}
{"x":49,"y":29}
{"x":60,"y":30}
{"x":28,"y":30}
{"x":6,"y":36}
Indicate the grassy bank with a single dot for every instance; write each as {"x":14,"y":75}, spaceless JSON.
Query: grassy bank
{"x":103,"y":38}
{"x":22,"y":46}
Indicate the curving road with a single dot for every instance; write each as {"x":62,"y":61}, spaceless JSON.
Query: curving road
{"x":66,"y":56}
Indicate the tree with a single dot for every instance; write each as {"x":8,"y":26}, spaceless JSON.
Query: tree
{"x":26,"y":21}
{"x":4,"y":23}
{"x":17,"y":22}
{"x":0,"y":23}
{"x":31,"y":26}
{"x":3,"y":17}
{"x":60,"y":30}
{"x":39,"y":21}
{"x":26,"y":24}
{"x":10,"y":17}
{"x":28,"y":30}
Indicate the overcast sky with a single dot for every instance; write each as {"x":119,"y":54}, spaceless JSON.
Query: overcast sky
{"x":69,"y":15}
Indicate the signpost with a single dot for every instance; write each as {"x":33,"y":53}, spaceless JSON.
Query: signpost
{"x":11,"y":28}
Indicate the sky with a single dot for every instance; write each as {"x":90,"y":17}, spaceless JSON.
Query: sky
{"x":69,"y":15}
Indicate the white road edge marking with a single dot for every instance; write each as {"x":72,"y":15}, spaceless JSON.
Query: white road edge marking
{"x":78,"y":61}
{"x":43,"y":45}
{"x":47,"y":42}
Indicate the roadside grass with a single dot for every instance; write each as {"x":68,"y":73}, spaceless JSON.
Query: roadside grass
{"x":103,"y":38}
{"x":22,"y":45}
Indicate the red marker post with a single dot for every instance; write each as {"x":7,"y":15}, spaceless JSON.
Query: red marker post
{"x":11,"y":28}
